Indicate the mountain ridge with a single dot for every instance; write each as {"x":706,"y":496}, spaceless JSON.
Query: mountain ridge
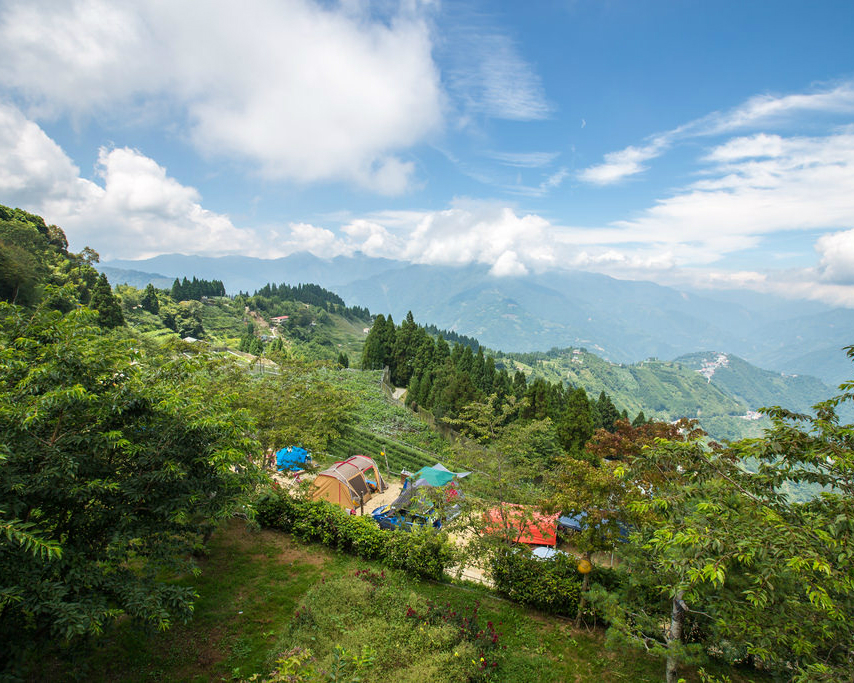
{"x":623,"y":320}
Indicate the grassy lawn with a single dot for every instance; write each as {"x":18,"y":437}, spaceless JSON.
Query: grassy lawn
{"x":252,"y":584}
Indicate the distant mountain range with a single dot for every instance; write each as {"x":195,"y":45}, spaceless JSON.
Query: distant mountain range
{"x":623,"y":321}
{"x":722,"y":391}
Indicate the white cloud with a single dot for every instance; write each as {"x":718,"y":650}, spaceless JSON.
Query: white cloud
{"x":305,"y":237}
{"x":524,"y":159}
{"x":760,"y":185}
{"x":490,"y":77}
{"x":622,"y":164}
{"x":508,"y":265}
{"x":302,"y":91}
{"x":837,"y":257}
{"x":759,"y":110}
{"x":138,"y":211}
{"x":761,"y":145}
{"x":33,"y":168}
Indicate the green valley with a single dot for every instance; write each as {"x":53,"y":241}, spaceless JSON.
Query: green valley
{"x":144,"y":537}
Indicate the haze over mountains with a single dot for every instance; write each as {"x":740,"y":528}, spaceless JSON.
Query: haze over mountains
{"x":620,"y":320}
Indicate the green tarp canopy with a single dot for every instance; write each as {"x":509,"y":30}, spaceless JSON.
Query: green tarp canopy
{"x":437,"y":475}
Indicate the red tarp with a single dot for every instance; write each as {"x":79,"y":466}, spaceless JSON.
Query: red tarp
{"x":532,"y":527}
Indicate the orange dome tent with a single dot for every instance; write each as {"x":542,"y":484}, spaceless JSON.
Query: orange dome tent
{"x":350,"y":482}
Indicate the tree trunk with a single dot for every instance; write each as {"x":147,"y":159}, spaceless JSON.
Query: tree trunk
{"x":674,"y":637}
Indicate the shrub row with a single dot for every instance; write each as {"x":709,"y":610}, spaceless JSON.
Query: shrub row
{"x":551,"y":585}
{"x":422,"y":552}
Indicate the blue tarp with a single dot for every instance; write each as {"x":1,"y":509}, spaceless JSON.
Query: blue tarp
{"x":292,"y":458}
{"x":579,"y":523}
{"x":574,"y":523}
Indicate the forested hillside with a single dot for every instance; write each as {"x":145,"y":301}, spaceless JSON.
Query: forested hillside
{"x":135,"y":423}
{"x":722,"y":391}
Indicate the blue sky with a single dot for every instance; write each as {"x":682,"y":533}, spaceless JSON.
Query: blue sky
{"x":697,"y":144}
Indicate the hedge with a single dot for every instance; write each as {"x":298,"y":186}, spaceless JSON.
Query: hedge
{"x":550,"y":585}
{"x":421,"y":552}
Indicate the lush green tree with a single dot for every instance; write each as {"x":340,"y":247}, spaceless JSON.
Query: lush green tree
{"x":761,"y":575}
{"x":378,"y":345}
{"x":149,"y":300}
{"x":403,"y":351}
{"x":576,"y":424}
{"x":605,"y":413}
{"x":595,"y":486}
{"x":118,"y":463}
{"x":506,"y":454}
{"x":297,"y":405}
{"x":19,"y":273}
{"x":520,"y":384}
{"x":105,"y":302}
{"x":343,"y":360}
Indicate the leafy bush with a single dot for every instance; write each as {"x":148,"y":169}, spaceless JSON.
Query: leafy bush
{"x":372,"y":625}
{"x":421,"y":552}
{"x":551,"y":586}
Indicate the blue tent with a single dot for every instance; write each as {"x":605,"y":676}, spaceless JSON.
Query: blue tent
{"x":292,"y":458}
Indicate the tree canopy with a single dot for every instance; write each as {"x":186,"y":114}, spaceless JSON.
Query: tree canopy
{"x":114,"y":465}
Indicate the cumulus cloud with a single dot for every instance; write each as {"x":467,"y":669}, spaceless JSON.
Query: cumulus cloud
{"x":306,"y":237}
{"x":759,"y":110}
{"x":303,"y":91}
{"x":508,"y":265}
{"x":136,"y":211}
{"x":837,"y":257}
{"x":33,"y":168}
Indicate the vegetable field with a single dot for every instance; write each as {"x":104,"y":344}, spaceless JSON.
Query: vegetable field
{"x":399,"y":455}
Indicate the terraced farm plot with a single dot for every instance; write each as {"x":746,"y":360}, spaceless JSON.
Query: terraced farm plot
{"x":379,"y":424}
{"x":398,"y":455}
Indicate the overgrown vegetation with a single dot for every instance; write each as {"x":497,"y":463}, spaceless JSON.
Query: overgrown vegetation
{"x":123,"y":448}
{"x":420,"y":552}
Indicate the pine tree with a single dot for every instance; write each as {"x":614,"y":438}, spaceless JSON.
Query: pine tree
{"x":519,"y":384}
{"x":374,"y":351}
{"x":105,"y":302}
{"x":576,"y":424}
{"x":606,"y":413}
{"x":149,"y":301}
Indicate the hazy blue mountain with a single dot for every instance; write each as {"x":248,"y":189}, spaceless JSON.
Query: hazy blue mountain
{"x":621,"y":320}
{"x":135,"y":278}
{"x":244,"y":273}
{"x":808,"y":344}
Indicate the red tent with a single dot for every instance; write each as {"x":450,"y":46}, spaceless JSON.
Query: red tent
{"x":531,"y":526}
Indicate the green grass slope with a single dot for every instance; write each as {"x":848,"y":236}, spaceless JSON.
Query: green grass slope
{"x":253,"y":583}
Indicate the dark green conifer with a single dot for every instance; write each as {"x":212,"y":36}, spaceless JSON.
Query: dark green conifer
{"x":104,"y":301}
